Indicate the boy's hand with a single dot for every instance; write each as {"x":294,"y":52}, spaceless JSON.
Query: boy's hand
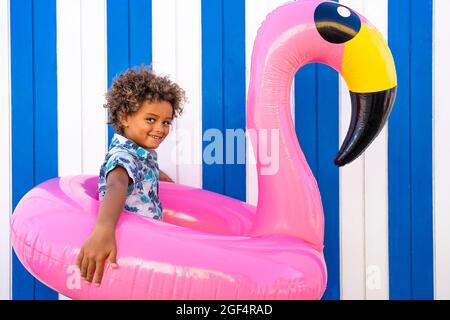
{"x":100,"y":245}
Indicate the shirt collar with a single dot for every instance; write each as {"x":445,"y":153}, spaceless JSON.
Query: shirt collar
{"x":132,"y":147}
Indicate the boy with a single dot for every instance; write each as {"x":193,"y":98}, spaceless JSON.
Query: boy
{"x":141,"y":107}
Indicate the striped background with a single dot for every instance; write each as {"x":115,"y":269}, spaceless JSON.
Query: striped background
{"x":387,"y":221}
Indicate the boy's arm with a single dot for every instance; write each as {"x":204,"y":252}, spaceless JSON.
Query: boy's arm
{"x":112,"y":205}
{"x":101,"y":244}
{"x":164,"y":177}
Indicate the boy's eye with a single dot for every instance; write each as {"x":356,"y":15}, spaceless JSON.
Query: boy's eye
{"x":165,"y":123}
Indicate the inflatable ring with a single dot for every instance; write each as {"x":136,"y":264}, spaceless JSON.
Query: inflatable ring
{"x":210,"y":246}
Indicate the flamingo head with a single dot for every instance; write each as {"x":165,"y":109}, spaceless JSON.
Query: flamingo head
{"x":368,"y":69}
{"x":308,"y":31}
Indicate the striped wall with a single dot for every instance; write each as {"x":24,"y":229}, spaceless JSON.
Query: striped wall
{"x":387,"y":227}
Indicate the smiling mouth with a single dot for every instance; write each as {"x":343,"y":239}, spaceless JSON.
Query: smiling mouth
{"x":157,"y":138}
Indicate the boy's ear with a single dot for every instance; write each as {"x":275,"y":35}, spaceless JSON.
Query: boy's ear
{"x":123,"y":119}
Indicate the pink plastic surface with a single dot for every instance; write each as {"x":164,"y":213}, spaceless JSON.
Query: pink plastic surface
{"x":200,"y":251}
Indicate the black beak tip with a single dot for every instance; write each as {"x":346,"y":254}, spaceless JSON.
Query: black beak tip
{"x":369,"y":114}
{"x":340,"y":161}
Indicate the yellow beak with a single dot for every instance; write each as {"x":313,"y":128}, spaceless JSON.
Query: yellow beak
{"x":367,"y":65}
{"x":369,"y":70}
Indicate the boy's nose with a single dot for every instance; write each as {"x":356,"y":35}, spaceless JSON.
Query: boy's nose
{"x":159,"y":128}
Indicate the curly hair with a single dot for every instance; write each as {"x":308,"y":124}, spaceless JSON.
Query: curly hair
{"x":134,"y":86}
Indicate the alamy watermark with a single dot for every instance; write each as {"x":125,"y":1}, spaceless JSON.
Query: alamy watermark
{"x":373,"y":277}
{"x":73,"y":281}
{"x":228,"y":147}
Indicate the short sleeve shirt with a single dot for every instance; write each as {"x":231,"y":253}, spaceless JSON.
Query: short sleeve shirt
{"x":142,"y":167}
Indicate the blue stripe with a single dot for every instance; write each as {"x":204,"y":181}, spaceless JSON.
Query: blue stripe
{"x":422,"y":150}
{"x":129,"y":37}
{"x":117,"y":42}
{"x":234,"y":90}
{"x":306,"y":113}
{"x":317,"y":128}
{"x":410,"y":152}
{"x":45,"y":105}
{"x":212,"y":87}
{"x":328,"y":174}
{"x":140,"y":32}
{"x":34,"y":117}
{"x":223,"y":89}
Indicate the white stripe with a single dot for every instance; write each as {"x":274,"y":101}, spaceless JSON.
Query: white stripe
{"x":176,"y":43}
{"x":94,"y":84}
{"x":81,"y":43}
{"x":5,"y":153}
{"x":376,"y":188}
{"x":255,"y":13}
{"x":164,"y":61}
{"x":364,"y":196}
{"x":189,"y":68}
{"x":81,"y":56}
{"x":68,"y":17}
{"x":352,"y":206}
{"x":441,"y":149}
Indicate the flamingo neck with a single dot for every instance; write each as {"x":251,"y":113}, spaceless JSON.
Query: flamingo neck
{"x":288,"y":196}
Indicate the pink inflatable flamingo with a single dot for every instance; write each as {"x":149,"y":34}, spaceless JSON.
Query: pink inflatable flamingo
{"x":211,"y":246}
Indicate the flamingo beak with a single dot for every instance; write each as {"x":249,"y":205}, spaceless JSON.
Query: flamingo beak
{"x":369,"y":70}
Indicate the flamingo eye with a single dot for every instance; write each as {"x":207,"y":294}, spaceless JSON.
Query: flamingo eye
{"x":336,"y":23}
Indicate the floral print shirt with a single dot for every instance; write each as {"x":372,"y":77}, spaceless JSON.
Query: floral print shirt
{"x":142,"y":167}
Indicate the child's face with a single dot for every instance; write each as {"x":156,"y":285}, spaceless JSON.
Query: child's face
{"x":150,"y":125}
